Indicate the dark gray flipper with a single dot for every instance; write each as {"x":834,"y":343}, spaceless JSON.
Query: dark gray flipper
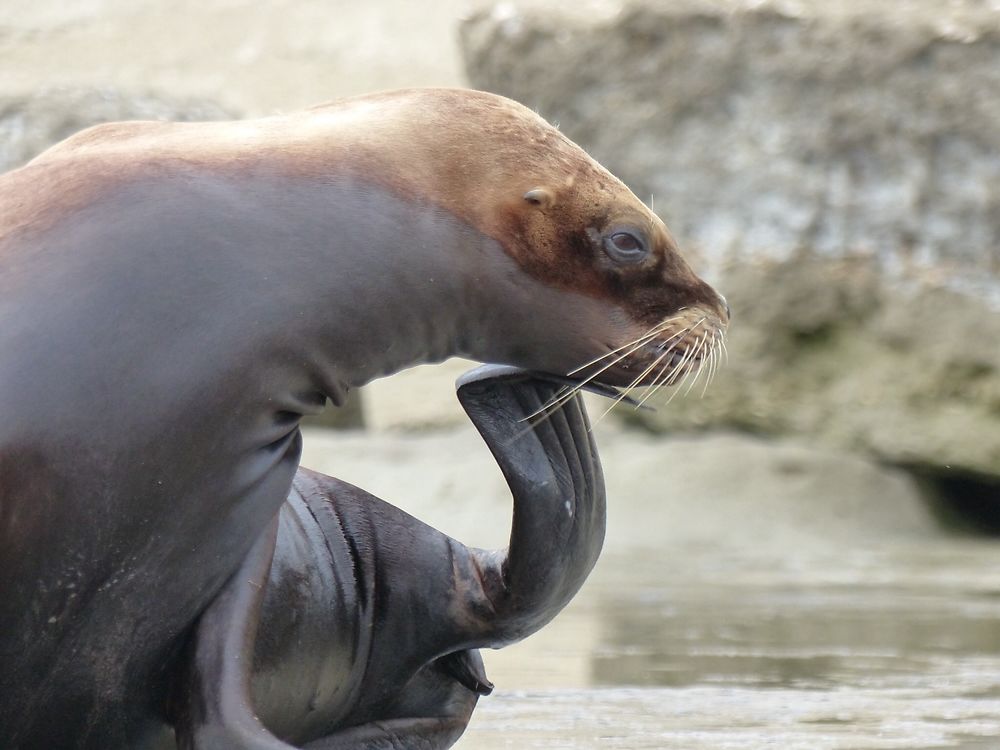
{"x":550,"y":462}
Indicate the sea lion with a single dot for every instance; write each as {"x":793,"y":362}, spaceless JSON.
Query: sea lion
{"x":174,"y":297}
{"x":365,"y":621}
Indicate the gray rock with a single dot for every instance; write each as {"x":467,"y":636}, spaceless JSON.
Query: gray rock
{"x":29,"y":125}
{"x":762,"y":126}
{"x":825,"y":349}
{"x":837,"y":168}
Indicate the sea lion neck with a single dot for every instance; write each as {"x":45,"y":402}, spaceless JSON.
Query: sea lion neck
{"x":371,"y":282}
{"x":353,"y":281}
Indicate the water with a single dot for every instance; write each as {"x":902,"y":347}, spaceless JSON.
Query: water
{"x":894,"y":647}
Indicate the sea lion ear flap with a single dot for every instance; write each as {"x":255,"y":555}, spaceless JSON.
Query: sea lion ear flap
{"x":540,"y":198}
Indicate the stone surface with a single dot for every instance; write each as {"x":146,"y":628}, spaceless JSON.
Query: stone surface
{"x":832,"y":168}
{"x":762,"y":126}
{"x":30,"y":124}
{"x":825,"y":349}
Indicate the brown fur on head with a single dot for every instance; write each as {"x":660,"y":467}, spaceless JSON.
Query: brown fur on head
{"x":570,"y":224}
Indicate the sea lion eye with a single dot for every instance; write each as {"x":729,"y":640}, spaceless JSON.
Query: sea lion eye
{"x":624,"y":247}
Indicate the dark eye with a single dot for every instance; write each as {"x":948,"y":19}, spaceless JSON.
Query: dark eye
{"x":625,"y":247}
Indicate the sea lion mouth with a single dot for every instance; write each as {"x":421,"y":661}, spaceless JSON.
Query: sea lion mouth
{"x":677,"y":351}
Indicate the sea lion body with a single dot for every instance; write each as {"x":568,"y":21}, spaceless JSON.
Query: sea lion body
{"x":175,"y":297}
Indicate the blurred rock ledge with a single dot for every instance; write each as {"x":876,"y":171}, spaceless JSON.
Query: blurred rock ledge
{"x":30,"y":124}
{"x":824,"y":349}
{"x":763,"y":126}
{"x":833,"y":168}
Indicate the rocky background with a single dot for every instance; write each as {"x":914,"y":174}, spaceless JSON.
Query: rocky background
{"x":831,"y":167}
{"x":835,"y":168}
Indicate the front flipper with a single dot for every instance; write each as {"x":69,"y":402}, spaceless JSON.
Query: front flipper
{"x":213,"y":709}
{"x":550,"y":462}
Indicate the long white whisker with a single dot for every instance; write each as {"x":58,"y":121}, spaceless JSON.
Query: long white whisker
{"x":607,"y":411}
{"x":692,"y":352}
{"x":708,"y":361}
{"x":718,"y":354}
{"x":709,"y":349}
{"x":651,"y":333}
{"x":705,"y":362}
{"x":667,"y":374}
{"x":631,"y":386}
{"x":699,"y":348}
{"x":627,"y":390}
{"x":553,"y":404}
{"x":559,"y":400}
{"x":678,"y":387}
{"x":638,"y":343}
{"x":660,"y":380}
{"x":680,"y":365}
{"x":711,"y":365}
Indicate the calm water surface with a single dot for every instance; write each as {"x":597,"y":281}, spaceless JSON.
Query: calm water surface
{"x":857,"y":648}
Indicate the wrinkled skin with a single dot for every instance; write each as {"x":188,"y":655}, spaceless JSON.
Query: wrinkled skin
{"x":352,"y":625}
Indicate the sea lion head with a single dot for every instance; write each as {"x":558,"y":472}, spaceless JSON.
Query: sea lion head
{"x":586,"y":233}
{"x":568,"y":223}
